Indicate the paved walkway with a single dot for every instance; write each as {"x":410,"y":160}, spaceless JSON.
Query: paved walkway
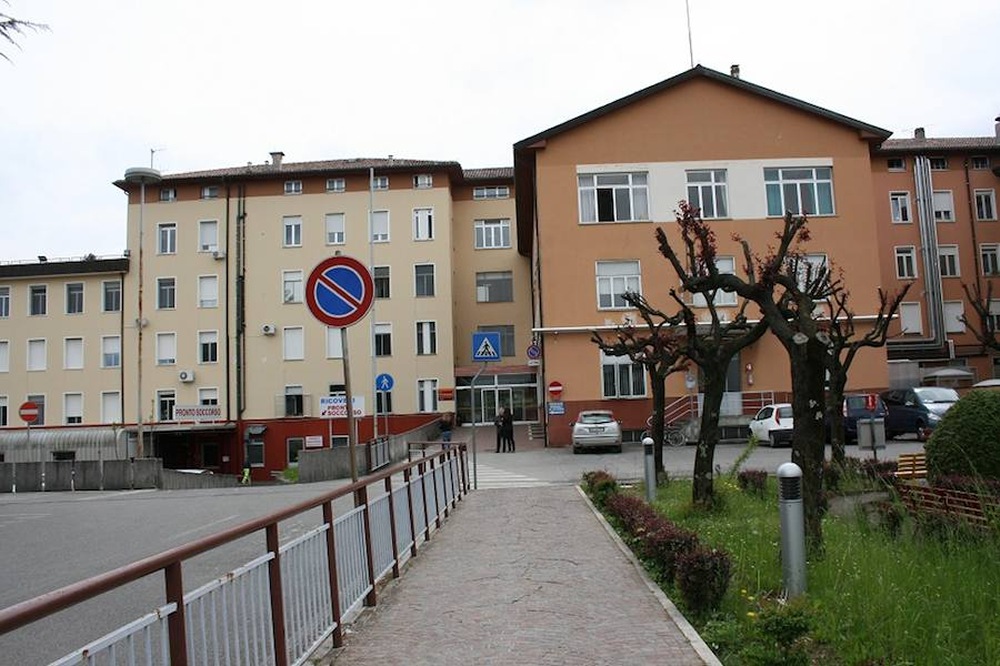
{"x":522,"y":576}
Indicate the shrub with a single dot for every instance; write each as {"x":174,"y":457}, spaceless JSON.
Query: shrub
{"x":599,"y":485}
{"x":969,"y":484}
{"x":663,"y":544}
{"x":967,"y":439}
{"x":702,"y":577}
{"x":630,"y":511}
{"x":753,"y":481}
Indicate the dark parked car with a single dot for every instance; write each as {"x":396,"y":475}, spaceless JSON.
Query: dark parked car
{"x":916,"y":410}
{"x":854,"y":409}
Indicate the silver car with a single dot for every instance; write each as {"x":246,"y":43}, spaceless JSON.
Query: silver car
{"x":597,"y":428}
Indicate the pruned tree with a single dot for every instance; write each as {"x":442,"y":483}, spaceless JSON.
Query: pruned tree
{"x":655,"y":346}
{"x":984,"y":327}
{"x":844,"y":346}
{"x":12,"y":28}
{"x":788,"y":289}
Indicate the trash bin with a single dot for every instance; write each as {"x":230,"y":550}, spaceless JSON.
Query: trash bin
{"x":871,"y":434}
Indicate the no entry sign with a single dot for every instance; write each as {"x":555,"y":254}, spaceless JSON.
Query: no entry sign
{"x":28,"y":412}
{"x":340,"y":291}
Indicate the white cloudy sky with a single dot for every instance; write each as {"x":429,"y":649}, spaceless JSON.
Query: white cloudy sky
{"x":214,"y":83}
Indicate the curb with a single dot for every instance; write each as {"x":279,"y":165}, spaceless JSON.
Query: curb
{"x":678,"y":618}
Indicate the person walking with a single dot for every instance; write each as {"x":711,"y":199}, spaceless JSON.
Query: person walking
{"x":498,"y":423}
{"x":447,"y":423}
{"x":507,"y":430}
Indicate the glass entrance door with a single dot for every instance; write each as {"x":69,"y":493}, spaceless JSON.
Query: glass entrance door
{"x":492,"y":399}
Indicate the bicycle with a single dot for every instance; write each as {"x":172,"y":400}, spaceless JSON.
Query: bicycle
{"x":673,"y":434}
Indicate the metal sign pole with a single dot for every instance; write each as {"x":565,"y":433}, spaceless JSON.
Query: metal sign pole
{"x":475,"y":468}
{"x":349,"y":407}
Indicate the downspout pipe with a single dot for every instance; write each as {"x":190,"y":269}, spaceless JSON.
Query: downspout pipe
{"x":977,"y":255}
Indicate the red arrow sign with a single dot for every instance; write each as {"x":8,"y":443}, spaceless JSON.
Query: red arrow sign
{"x":28,"y":412}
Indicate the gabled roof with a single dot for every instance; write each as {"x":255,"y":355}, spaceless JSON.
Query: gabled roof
{"x":942,"y":144}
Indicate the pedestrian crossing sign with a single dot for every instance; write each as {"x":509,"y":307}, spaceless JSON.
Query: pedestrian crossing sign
{"x":486,"y":346}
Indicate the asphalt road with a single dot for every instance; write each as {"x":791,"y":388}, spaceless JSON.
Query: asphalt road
{"x":49,"y":540}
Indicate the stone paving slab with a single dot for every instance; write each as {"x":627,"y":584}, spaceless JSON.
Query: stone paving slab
{"x":522,"y":576}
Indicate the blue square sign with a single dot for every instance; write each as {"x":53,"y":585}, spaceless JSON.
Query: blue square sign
{"x":486,"y":346}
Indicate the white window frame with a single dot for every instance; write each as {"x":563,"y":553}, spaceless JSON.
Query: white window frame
{"x":72,"y":408}
{"x":980,"y":162}
{"x":709,"y":186}
{"x":166,"y":238}
{"x":994,"y":313}
{"x":111,"y":296}
{"x":111,"y":351}
{"x":944,"y":206}
{"x":778,"y":180}
{"x":948,"y":261}
{"x":614,"y":279}
{"x":908,"y":255}
{"x":508,"y":336}
{"x":426,"y":338}
{"x":911,"y":320}
{"x":208,"y":346}
{"x":937,"y":163}
{"x":4,"y":302}
{"x":423,"y":224}
{"x":482,"y":192}
{"x":890,"y":167}
{"x":336,"y":228}
{"x":38,"y":355}
{"x":291,"y":231}
{"x":166,"y":286}
{"x":989,"y":256}
{"x":485,"y":291}
{"x":380,"y":226}
{"x":166,"y":349}
{"x":953,"y":312}
{"x":427,"y":401}
{"x":899,"y":207}
{"x":74,"y":298}
{"x":111,"y":407}
{"x":293,"y":287}
{"x":629,"y":392}
{"x":293,"y":187}
{"x":293,"y":343}
{"x":378,"y":277}
{"x":384,"y":331}
{"x":336,"y":185}
{"x":41,"y":291}
{"x":208,"y":395}
{"x":492,"y":233}
{"x":334,"y":342}
{"x":4,"y":355}
{"x":380,"y":182}
{"x":423,"y":181}
{"x":168,"y":194}
{"x":726,"y":265}
{"x":73,"y":353}
{"x":418,"y":279}
{"x":208,"y":235}
{"x":210,"y":192}
{"x":166,"y":401}
{"x":986,"y":204}
{"x":626,"y":190}
{"x":208,"y":291}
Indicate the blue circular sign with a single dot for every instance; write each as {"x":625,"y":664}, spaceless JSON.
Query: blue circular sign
{"x":340,"y":291}
{"x":534,"y":352}
{"x":384,"y":382}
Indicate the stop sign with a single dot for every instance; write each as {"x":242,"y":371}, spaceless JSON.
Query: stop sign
{"x":28,"y":412}
{"x":555,"y":389}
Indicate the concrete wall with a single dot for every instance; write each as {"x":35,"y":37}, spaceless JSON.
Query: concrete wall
{"x":82,"y":475}
{"x":329,"y":464}
{"x":173,"y":480}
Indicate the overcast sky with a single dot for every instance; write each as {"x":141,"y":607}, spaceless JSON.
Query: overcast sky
{"x":218,"y":83}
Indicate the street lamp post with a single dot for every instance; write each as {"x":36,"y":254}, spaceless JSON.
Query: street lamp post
{"x":142,"y":176}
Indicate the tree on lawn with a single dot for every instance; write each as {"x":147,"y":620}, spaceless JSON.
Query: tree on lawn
{"x":788,"y":289}
{"x":657,"y":348}
{"x":984,"y":328}
{"x":11,"y":28}
{"x":843,"y":350}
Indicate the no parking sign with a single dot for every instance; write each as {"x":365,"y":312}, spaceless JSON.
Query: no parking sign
{"x":340,"y":291}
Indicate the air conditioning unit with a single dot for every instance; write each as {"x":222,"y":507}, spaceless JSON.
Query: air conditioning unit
{"x":268,"y":329}
{"x":185,"y":376}
{"x":219,"y":254}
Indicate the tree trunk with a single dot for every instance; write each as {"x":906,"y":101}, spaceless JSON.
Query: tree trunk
{"x":703,"y":491}
{"x":808,"y":445}
{"x":835,"y":413}
{"x":659,"y":386}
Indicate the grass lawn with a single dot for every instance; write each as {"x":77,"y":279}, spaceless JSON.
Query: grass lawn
{"x":874,"y":598}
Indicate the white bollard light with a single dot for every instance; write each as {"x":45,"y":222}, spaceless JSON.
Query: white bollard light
{"x":793,"y":534}
{"x":647,"y":448}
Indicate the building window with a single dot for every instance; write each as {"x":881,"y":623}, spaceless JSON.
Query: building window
{"x":73,"y":408}
{"x":336,"y":229}
{"x":427,"y":400}
{"x":294,"y":343}
{"x":112,"y":299}
{"x":3,"y":411}
{"x":423,"y":181}
{"x":165,"y":402}
{"x":73,"y":353}
{"x":208,"y":346}
{"x":4,"y":355}
{"x":210,"y":192}
{"x":707,"y":192}
{"x":801,"y":191}
{"x":381,"y":278}
{"x":426,"y":338}
{"x":293,"y":231}
{"x":980,"y":162}
{"x":954,"y":311}
{"x":37,"y":355}
{"x":74,"y":298}
{"x":4,"y":302}
{"x":39,"y":400}
{"x":166,"y":348}
{"x":986,"y":205}
{"x":492,"y":234}
{"x":383,"y":339}
{"x":994,"y":314}
{"x":380,"y":226}
{"x":944,"y":206}
{"x":208,"y":235}
{"x":336,"y":184}
{"x":899,"y":204}
{"x":380,"y":182}
{"x":294,"y":401}
{"x":938,"y":163}
{"x":208,"y":396}
{"x":334,"y":342}
{"x":166,"y":293}
{"x":948,"y":259}
{"x":293,"y":289}
{"x":613,"y":197}
{"x":423,"y":224}
{"x":111,"y":351}
{"x":614,"y":279}
{"x":809,"y":268}
{"x":906,"y":263}
{"x":111,"y":407}
{"x":423,"y":280}
{"x":506,"y":333}
{"x":727,"y":266}
{"x":208,"y":291}
{"x":293,"y":187}
{"x":495,"y":287}
{"x":294,"y":445}
{"x":991,"y":259}
{"x":38,"y":299}
{"x":167,"y":238}
{"x":168,"y":194}
{"x":383,"y":402}
{"x":491,"y":192}
{"x":896,"y":164}
{"x":621,"y":378}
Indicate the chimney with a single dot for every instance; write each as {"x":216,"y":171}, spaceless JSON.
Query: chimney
{"x":919,"y":133}
{"x":276,"y":158}
{"x":734,"y":71}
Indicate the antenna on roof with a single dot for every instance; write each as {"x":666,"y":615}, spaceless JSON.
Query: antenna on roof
{"x":152,"y":153}
{"x":687,"y":7}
